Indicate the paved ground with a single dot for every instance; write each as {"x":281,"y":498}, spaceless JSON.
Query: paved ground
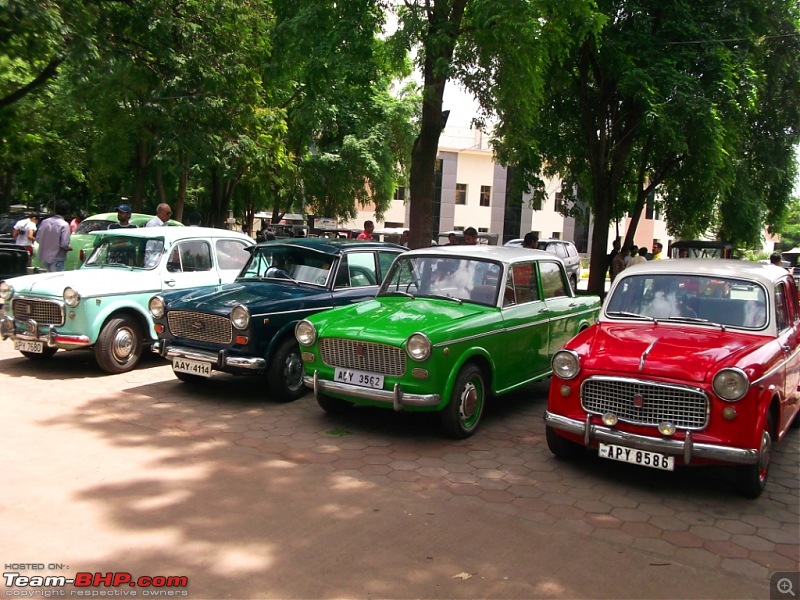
{"x":249,"y":498}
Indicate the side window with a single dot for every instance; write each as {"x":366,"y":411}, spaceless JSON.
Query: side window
{"x":361,"y":266}
{"x":561,"y":250}
{"x":553,"y":280}
{"x":194,"y":255}
{"x":791,"y":297}
{"x":524,"y":283}
{"x":385,"y":260}
{"x":781,"y":309}
{"x":231,"y":254}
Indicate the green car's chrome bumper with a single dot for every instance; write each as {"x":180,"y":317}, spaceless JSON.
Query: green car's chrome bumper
{"x":394,"y":397}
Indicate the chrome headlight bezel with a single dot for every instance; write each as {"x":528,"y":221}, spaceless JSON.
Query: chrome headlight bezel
{"x":71,"y":297}
{"x":305,"y":332}
{"x":6,"y":291}
{"x":240,"y":317}
{"x":418,"y":347}
{"x":566,"y":364}
{"x":731,"y":384}
{"x":157,"y":307}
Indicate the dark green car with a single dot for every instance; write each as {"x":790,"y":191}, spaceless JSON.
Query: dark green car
{"x":449,"y":327}
{"x":247,"y":327}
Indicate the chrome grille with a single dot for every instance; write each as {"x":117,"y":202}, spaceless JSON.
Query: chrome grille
{"x":363,"y":356}
{"x":44,"y":312}
{"x":684,"y":406}
{"x":200,"y":326}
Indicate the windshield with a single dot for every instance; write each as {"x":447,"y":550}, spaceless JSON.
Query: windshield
{"x":276,"y":261}
{"x":134,"y":252}
{"x":462,"y":279}
{"x":686,"y":297}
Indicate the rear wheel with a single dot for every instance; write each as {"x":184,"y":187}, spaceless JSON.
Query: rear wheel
{"x":562,"y":447}
{"x":286,"y":372}
{"x":752,"y":479}
{"x":334,"y":406}
{"x":119,"y":346}
{"x":462,"y":415}
{"x":46,"y":353}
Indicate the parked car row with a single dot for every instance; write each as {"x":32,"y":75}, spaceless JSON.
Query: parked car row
{"x":688,"y":362}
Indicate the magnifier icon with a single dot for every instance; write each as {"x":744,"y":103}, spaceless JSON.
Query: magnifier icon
{"x":784,"y":586}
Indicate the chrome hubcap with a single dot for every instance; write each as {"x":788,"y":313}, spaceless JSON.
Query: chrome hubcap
{"x":293,"y":371}
{"x":123,"y":344}
{"x":469,"y":401}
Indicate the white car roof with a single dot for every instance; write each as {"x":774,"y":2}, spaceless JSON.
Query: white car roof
{"x":710,"y":267}
{"x":505,"y":254}
{"x":173,"y":234}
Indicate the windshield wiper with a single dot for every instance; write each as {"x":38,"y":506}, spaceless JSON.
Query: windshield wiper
{"x":115,"y":264}
{"x":397,"y":293}
{"x":443,"y":297}
{"x":632,"y":315}
{"x":686,"y":319}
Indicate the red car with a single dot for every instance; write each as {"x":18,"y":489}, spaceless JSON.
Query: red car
{"x":673,"y":376}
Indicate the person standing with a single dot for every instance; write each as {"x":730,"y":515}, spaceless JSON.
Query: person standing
{"x":369,"y":227}
{"x":470,"y":236}
{"x":530,"y":241}
{"x":53,"y":237}
{"x":163,"y":213}
{"x":639,"y":258}
{"x":24,"y":234}
{"x":658,"y":251}
{"x":404,"y":238}
{"x":77,"y":220}
{"x":618,"y":263}
{"x":124,"y":217}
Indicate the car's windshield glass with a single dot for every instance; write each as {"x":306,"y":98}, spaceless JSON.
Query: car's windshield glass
{"x":277,"y":261}
{"x":133,"y":252}
{"x":464,"y":279}
{"x":688,"y":297}
{"x":89,"y":225}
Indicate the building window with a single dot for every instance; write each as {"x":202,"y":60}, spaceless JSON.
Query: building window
{"x":556,"y":235}
{"x":486,"y":195}
{"x":559,"y":204}
{"x":483,"y":230}
{"x":400,"y":193}
{"x":461,"y":193}
{"x":651,"y":211}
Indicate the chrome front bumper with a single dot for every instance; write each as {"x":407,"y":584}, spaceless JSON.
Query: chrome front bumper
{"x":52,"y":339}
{"x":395,"y":397}
{"x":687,"y":448}
{"x":219,"y":360}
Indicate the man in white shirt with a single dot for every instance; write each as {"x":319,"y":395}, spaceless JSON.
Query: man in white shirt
{"x":24,"y":234}
{"x":163,"y":213}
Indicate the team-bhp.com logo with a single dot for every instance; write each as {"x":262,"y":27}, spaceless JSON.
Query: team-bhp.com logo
{"x":157,"y":585}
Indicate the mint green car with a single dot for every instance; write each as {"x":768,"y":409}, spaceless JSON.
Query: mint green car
{"x":449,"y":328}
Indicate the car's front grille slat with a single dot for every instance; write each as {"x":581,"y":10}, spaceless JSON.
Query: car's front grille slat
{"x":200,"y":327}
{"x":646,"y":403}
{"x":363,"y":356}
{"x":44,"y":312}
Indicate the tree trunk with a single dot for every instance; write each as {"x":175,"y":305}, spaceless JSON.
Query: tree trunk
{"x":183,"y":182}
{"x":142,"y":159}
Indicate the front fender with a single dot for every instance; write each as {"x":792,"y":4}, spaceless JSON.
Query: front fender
{"x":465,"y":357}
{"x":98,"y":319}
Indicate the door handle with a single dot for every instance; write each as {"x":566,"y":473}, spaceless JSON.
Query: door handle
{"x":170,"y":282}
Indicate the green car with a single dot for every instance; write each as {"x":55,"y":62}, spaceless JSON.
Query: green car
{"x":450,"y":327}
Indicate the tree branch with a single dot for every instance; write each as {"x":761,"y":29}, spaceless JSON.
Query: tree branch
{"x":47,"y":73}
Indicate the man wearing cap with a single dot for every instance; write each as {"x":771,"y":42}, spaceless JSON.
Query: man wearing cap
{"x":163,"y":213}
{"x":124,"y":216}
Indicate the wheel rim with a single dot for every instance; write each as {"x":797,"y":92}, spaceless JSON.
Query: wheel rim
{"x":470,"y":403}
{"x":293,"y":372}
{"x":123,"y":345}
{"x":764,"y":456}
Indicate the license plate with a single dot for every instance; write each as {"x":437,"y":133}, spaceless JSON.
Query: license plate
{"x":26,"y":346}
{"x":642,"y":458}
{"x":194,"y":367}
{"x":360,"y":378}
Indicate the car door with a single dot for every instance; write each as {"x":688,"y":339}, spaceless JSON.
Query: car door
{"x":357,"y":277}
{"x":188,"y":264}
{"x":560,"y":302}
{"x":787,"y":322}
{"x":231,"y":256}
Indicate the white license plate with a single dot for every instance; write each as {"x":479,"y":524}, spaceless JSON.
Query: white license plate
{"x":194,"y":367}
{"x":642,"y":458}
{"x":360,"y":378}
{"x":26,"y":346}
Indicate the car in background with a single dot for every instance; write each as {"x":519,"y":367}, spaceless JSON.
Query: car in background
{"x":103,"y":304}
{"x":564,"y":249}
{"x":8,"y":220}
{"x":700,"y":249}
{"x":82,"y":240}
{"x":247,"y":327}
{"x":13,"y":260}
{"x":450,"y":327}
{"x":672,"y":375}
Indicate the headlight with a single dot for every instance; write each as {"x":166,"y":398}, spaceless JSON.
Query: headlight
{"x":566,"y":364}
{"x":240,"y":317}
{"x":71,"y":297}
{"x":731,"y":384}
{"x":418,"y":346}
{"x":6,"y":291}
{"x":156,"y":307}
{"x":305,"y":332}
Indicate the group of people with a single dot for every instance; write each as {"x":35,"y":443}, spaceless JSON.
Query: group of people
{"x":622,"y":257}
{"x":54,"y":233}
{"x":369,"y":228}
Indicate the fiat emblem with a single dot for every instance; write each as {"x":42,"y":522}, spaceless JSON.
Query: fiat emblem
{"x":197,"y":325}
{"x":359,"y":350}
{"x":638,"y":401}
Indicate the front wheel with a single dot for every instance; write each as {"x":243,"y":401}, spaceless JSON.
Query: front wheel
{"x":752,"y":479}
{"x":119,"y":346}
{"x":286,"y":372}
{"x":461,"y":416}
{"x":47,"y":352}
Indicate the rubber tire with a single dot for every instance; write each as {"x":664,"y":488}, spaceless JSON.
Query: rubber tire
{"x":752,"y":479}
{"x":47,"y":352}
{"x":189,"y":378}
{"x":333,"y":406}
{"x":561,"y":447}
{"x":109,"y":355}
{"x":455,"y":423}
{"x":285,"y":372}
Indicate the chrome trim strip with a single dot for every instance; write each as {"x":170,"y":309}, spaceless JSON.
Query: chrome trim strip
{"x":394,"y":398}
{"x":781,"y":365}
{"x":290,"y":312}
{"x":216,"y":360}
{"x":688,"y":449}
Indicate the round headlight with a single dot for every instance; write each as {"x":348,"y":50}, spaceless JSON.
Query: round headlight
{"x":305,"y":332}
{"x":240,"y":317}
{"x":418,"y":346}
{"x":156,"y":307}
{"x":731,"y":384}
{"x":566,"y":364}
{"x":6,"y":291}
{"x":71,"y":297}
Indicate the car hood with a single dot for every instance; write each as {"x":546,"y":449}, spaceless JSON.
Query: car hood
{"x":671,"y":352}
{"x":258,"y":296}
{"x":392,"y":319}
{"x":88,"y":282}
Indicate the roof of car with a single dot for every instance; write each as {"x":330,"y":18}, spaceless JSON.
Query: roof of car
{"x":174,"y":233}
{"x":765,"y":274}
{"x":330,"y":245}
{"x":136,"y":218}
{"x":505,"y":254}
